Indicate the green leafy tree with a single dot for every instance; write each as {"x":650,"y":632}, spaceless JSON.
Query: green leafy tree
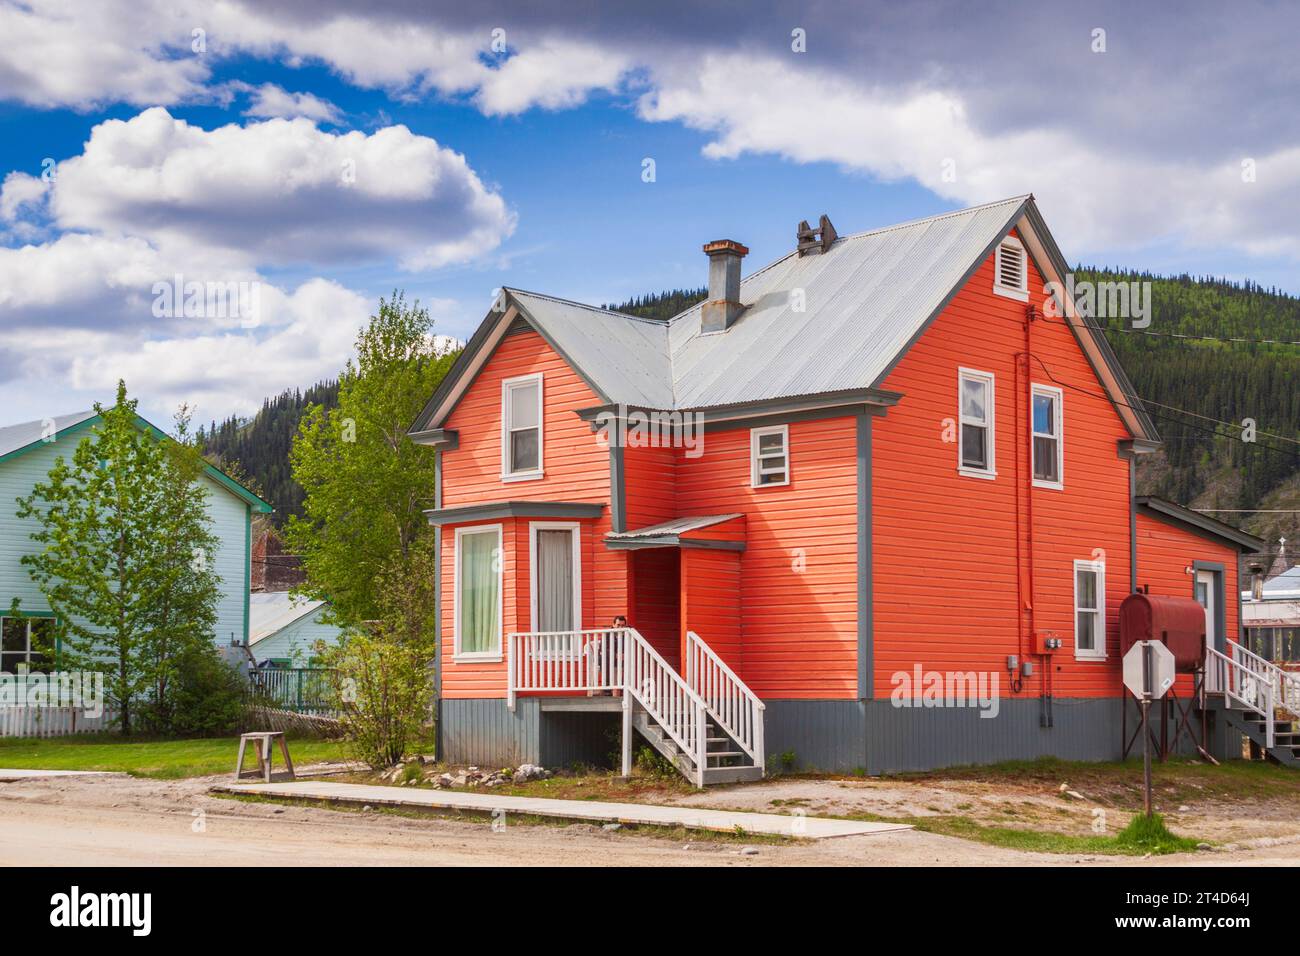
{"x":122,"y":526}
{"x":366,"y":484}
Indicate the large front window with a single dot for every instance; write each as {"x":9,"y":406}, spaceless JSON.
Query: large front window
{"x":478,"y":592}
{"x":521,"y":427}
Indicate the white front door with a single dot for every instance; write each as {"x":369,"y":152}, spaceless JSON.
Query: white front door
{"x":1206,"y":594}
{"x":556,"y":577}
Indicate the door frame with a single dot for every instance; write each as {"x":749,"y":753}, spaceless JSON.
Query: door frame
{"x":576,"y":528}
{"x":1215,"y":569}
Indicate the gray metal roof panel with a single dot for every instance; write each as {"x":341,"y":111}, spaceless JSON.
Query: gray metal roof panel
{"x":626,"y":356}
{"x":864,"y":299}
{"x":675,"y":526}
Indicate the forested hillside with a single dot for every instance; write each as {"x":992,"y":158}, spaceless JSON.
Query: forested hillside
{"x":1198,"y":387}
{"x":258,"y":448}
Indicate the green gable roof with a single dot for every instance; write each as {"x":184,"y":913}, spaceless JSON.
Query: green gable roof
{"x":16,"y":440}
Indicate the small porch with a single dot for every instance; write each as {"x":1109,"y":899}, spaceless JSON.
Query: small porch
{"x":704,"y":720}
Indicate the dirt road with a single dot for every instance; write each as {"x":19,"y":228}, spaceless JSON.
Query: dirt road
{"x":125,"y":821}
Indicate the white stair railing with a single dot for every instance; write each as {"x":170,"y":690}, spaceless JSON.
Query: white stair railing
{"x":668,"y":699}
{"x":610,"y":659}
{"x":570,"y":661}
{"x":731,"y":703}
{"x":1286,"y":683}
{"x":1238,"y":683}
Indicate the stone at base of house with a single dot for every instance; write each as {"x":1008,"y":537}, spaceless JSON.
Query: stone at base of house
{"x":845,"y":736}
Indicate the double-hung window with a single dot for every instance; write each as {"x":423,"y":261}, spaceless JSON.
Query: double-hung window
{"x":769,"y":456}
{"x":521,"y":427}
{"x":22,"y":640}
{"x":975,"y":455}
{"x":1048,"y":445}
{"x":478,"y":593}
{"x":1089,"y":609}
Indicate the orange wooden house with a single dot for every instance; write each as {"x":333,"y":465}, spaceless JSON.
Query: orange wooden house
{"x":871,"y":507}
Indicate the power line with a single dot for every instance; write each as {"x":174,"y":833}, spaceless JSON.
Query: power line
{"x":1194,"y":337}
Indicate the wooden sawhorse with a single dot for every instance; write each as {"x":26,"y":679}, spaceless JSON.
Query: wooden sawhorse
{"x":262,"y":743}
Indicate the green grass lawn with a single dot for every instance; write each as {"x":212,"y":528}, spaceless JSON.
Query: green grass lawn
{"x":160,"y":759}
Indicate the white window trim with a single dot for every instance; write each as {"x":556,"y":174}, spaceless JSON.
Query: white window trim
{"x":457,"y":654}
{"x":1020,"y":293}
{"x":990,"y":415}
{"x":506,"y":386}
{"x":1059,"y":405}
{"x":1098,"y":653}
{"x":754,"y":435}
{"x":576,"y":528}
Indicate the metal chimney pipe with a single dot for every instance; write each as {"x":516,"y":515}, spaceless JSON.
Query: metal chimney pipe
{"x":723,"y":305}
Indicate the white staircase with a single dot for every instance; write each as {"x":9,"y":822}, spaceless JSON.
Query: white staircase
{"x":709,"y":725}
{"x":1255,"y":692}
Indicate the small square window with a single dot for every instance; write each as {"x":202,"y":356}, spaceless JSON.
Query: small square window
{"x":769,"y":456}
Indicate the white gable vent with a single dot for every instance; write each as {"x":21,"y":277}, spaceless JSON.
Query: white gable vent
{"x":1010,"y":270}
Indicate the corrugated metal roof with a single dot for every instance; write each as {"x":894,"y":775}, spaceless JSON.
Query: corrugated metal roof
{"x":271,"y":611}
{"x":627,"y":357}
{"x":14,"y":437}
{"x":834,"y":321}
{"x":675,"y":526}
{"x":862,"y":301}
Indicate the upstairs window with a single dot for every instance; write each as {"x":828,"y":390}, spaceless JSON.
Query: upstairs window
{"x":769,"y":456}
{"x":1045,"y":418}
{"x":1089,"y":609}
{"x":1010,"y":270}
{"x":975,"y":443}
{"x":521,"y":427}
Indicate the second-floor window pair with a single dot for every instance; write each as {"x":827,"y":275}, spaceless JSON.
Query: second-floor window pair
{"x":976,"y":414}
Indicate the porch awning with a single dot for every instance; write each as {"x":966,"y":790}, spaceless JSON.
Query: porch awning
{"x":726,"y":532}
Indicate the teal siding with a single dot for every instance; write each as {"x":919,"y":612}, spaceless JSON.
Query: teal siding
{"x":295,"y":641}
{"x":230,"y":516}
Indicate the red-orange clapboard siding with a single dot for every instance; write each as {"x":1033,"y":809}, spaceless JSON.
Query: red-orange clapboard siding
{"x":651,"y":483}
{"x":576,"y":469}
{"x":1165,"y":552}
{"x":710,"y":601}
{"x":798,"y":583}
{"x":949,"y":553}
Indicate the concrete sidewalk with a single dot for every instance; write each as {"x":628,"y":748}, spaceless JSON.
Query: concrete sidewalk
{"x":692,"y":818}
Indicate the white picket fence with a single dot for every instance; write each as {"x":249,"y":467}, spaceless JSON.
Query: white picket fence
{"x":51,"y":721}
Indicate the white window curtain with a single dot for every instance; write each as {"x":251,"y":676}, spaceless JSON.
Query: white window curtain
{"x":480,"y":629}
{"x":554,"y":580}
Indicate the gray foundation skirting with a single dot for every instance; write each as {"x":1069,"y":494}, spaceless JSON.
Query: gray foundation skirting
{"x":847,"y":736}
{"x":487,"y":733}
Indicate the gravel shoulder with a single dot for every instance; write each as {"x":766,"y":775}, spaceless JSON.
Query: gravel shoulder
{"x":63,"y":821}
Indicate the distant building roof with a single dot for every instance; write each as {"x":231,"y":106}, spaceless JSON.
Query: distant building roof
{"x":272,"y":611}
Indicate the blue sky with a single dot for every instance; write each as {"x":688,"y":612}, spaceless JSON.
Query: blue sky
{"x":477,"y":168}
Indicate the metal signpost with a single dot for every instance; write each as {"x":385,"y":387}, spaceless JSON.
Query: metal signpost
{"x":1148,"y":675}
